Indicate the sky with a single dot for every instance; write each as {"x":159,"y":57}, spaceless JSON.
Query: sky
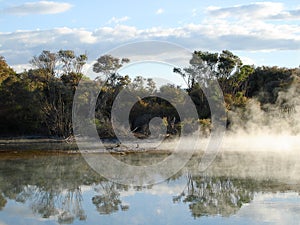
{"x":259,"y":32}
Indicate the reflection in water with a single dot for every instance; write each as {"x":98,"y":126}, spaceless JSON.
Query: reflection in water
{"x":214,"y":196}
{"x":48,"y":202}
{"x":50,"y":184}
{"x":108,"y":200}
{"x":2,"y":201}
{"x":53,"y":186}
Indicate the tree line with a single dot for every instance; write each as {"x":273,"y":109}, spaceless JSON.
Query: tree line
{"x":38,"y":101}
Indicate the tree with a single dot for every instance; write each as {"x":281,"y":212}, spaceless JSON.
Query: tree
{"x":228,"y":63}
{"x":210,"y":59}
{"x":57,"y":64}
{"x":266,"y":82}
{"x":225,"y":68}
{"x":108,"y":65}
{"x":19,"y":106}
{"x":60,"y":74}
{"x":70,"y":62}
{"x":151,"y":85}
{"x":205,"y":66}
{"x":5,"y":70}
{"x":45,"y":61}
{"x":112,"y":84}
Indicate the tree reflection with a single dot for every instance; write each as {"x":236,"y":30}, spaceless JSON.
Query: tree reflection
{"x":65,"y":204}
{"x":213,"y":196}
{"x":72,"y":205}
{"x":52,"y":187}
{"x":3,"y":202}
{"x":109,"y":199}
{"x":44,"y":202}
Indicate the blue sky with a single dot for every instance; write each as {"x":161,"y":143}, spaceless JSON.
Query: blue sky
{"x":260,"y":32}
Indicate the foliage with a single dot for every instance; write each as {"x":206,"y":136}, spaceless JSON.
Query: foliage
{"x":38,"y":101}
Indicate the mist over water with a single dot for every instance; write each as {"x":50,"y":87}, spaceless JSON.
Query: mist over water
{"x":262,"y":142}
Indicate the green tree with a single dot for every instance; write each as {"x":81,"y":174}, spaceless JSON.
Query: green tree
{"x":5,"y":70}
{"x":59,"y":74}
{"x":108,"y":65}
{"x":266,"y":82}
{"x":228,"y":63}
{"x":19,"y":108}
{"x":226,"y":68}
{"x":112,"y":83}
{"x":46,"y":61}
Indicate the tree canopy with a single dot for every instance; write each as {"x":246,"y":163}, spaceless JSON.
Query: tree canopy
{"x":39,"y":101}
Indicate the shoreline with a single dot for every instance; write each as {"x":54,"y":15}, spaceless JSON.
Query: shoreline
{"x":40,"y":143}
{"x":52,"y":145}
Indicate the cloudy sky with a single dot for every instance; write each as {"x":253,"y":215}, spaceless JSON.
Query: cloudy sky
{"x":260,"y":32}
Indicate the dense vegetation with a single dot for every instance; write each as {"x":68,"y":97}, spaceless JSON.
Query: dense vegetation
{"x":39,"y":101}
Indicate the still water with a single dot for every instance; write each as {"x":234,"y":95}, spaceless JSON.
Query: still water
{"x":237,"y":188}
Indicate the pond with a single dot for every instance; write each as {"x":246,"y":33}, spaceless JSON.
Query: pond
{"x":238,"y":188}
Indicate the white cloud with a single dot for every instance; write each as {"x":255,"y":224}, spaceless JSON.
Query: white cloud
{"x":247,"y":60}
{"x":159,"y":11}
{"x":258,"y":10}
{"x":20,"y":68}
{"x":41,"y":7}
{"x":274,"y":208}
{"x":285,"y":15}
{"x":19,"y":47}
{"x":252,"y":10}
{"x":115,"y":20}
{"x":214,"y":33}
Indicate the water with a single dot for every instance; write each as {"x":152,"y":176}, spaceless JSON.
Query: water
{"x":238,"y":188}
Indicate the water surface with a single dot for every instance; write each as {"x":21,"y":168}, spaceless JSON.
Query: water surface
{"x":239,"y":188}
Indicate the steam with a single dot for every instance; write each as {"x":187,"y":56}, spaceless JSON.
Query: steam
{"x":279,"y":118}
{"x":260,"y":127}
{"x":269,"y":127}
